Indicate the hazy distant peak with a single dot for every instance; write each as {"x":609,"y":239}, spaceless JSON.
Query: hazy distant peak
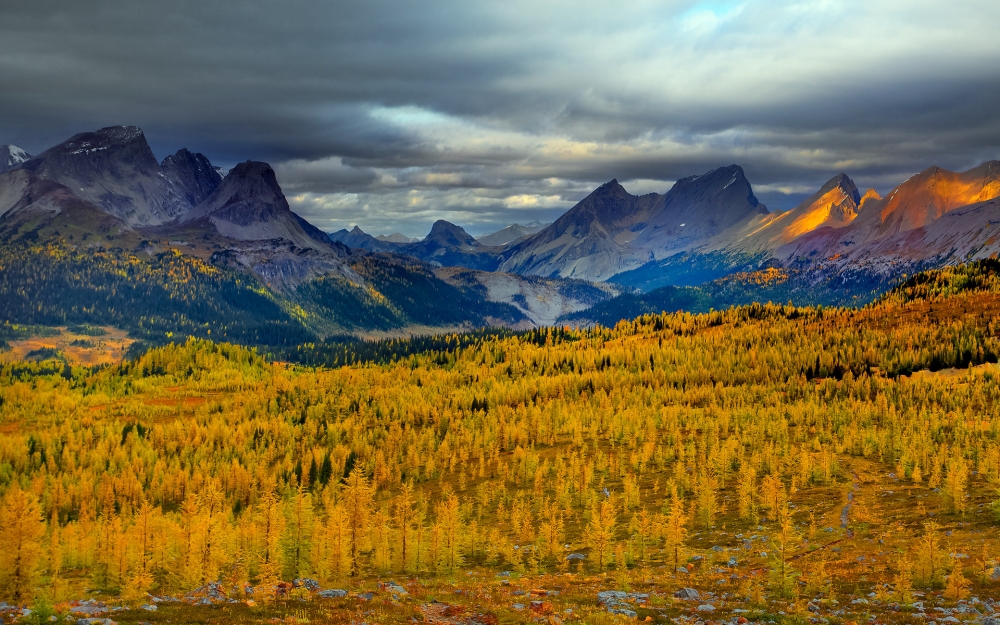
{"x":395,"y":237}
{"x":511,"y":233}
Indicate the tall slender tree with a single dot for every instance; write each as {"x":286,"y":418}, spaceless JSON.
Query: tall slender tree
{"x":21,"y":533}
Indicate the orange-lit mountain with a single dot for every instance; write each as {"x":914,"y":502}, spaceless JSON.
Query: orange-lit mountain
{"x":835,"y":205}
{"x":935,"y":217}
{"x":934,"y":192}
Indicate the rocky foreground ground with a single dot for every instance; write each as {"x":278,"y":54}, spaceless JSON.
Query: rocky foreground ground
{"x":482,"y":599}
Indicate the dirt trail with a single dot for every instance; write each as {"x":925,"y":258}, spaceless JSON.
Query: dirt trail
{"x":844,"y":515}
{"x":847,"y":509}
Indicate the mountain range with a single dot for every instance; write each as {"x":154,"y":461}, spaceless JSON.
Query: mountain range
{"x":104,"y":192}
{"x":230,"y":235}
{"x":445,"y":245}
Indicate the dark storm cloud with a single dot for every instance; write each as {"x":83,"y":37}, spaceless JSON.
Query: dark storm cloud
{"x":392,"y":113}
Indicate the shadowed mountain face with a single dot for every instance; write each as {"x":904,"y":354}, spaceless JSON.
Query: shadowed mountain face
{"x":611,"y":231}
{"x":29,"y":202}
{"x":193,"y":177}
{"x":445,"y":234}
{"x":698,"y":208}
{"x":114,"y":169}
{"x":250,"y":206}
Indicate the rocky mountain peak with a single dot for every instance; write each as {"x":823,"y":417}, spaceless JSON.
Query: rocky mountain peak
{"x":448,"y":234}
{"x":254,"y":177}
{"x":193,"y":175}
{"x":12,"y":156}
{"x":871,"y":195}
{"x":118,"y":142}
{"x":115,"y":169}
{"x":249,"y":206}
{"x":845,"y":184}
{"x":933,"y":192}
{"x":729,"y":182}
{"x":611,"y":189}
{"x":249,"y":194}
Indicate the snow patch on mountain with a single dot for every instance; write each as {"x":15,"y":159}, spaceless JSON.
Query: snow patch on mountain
{"x":11,"y":157}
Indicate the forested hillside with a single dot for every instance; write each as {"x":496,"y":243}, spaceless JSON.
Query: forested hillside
{"x":163,"y":296}
{"x":740,"y":288}
{"x":153,"y":297}
{"x":773,"y":456}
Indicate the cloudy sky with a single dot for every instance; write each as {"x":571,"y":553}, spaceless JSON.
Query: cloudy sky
{"x":390,"y":114}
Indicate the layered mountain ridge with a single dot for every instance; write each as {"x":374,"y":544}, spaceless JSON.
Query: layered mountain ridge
{"x":105,"y":190}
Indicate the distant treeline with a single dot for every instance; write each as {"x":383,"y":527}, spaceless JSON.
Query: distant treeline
{"x":348,"y":350}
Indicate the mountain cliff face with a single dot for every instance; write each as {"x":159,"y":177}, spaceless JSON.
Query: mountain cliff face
{"x":698,"y":208}
{"x":611,"y":231}
{"x":192,"y":175}
{"x":33,"y":208}
{"x":588,"y":241}
{"x":12,"y":156}
{"x":445,"y":235}
{"x":249,"y":206}
{"x":835,"y":205}
{"x":934,"y":192}
{"x":936,"y":217}
{"x":114,"y":168}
